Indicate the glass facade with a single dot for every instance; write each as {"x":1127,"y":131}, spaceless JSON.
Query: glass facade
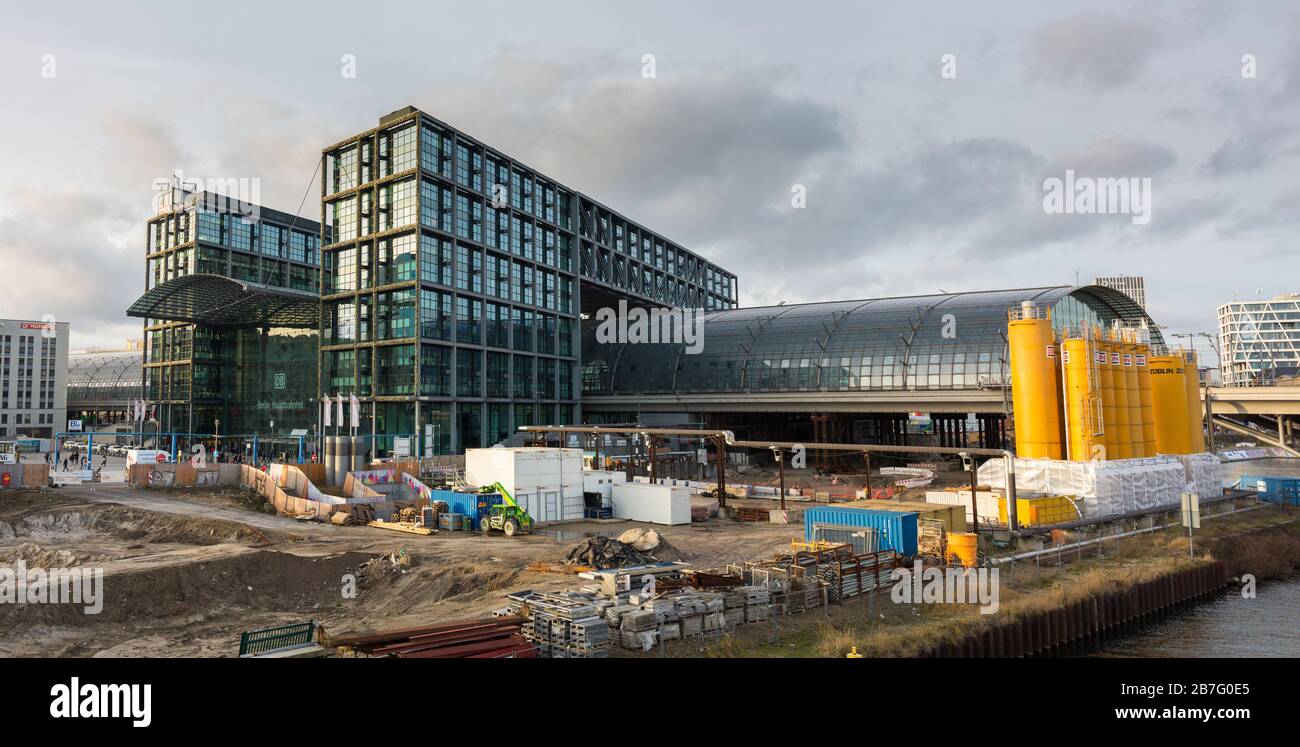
{"x":244,"y":376}
{"x":102,"y":385}
{"x":1260,"y":340}
{"x":456,"y":271}
{"x":955,"y":341}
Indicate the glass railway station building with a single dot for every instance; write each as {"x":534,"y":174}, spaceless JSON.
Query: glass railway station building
{"x":454,"y":289}
{"x":230,"y":313}
{"x":841,"y":370}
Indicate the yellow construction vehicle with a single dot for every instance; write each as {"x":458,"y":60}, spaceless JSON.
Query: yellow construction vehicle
{"x":506,"y":516}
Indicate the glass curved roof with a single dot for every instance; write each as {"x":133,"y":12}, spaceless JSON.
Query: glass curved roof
{"x":943,"y":341}
{"x":103,"y":380}
{"x":219,"y":301}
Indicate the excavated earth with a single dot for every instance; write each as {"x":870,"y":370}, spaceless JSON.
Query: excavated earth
{"x":186,"y":572}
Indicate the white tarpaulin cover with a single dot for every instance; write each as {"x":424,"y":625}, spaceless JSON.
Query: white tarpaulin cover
{"x":1203,"y":473}
{"x":1111,"y":487}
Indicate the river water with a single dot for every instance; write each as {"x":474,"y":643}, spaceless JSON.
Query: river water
{"x":1228,"y":627}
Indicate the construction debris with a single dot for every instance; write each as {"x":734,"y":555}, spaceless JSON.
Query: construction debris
{"x":605,"y":552}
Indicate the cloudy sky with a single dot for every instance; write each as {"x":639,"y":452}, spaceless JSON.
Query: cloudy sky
{"x":916,"y":179}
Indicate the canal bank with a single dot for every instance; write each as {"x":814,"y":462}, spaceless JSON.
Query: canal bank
{"x":1069,"y":604}
{"x":1236,"y":560}
{"x":1228,"y":626}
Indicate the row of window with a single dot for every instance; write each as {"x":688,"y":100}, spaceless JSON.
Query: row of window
{"x":476,"y":373}
{"x":247,"y":267}
{"x":446,"y":316}
{"x":886,"y":372}
{"x":237,"y":232}
{"x":629,"y":240}
{"x":393,"y":260}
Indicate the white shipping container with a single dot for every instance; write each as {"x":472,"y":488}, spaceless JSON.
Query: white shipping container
{"x":985,"y":501}
{"x":657,"y":504}
{"x":545,"y":482}
{"x":601,"y":481}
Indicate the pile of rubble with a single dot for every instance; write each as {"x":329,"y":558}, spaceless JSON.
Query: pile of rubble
{"x":633,"y":547}
{"x":605,"y":552}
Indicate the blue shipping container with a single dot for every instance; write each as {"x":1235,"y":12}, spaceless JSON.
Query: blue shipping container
{"x":897,"y":529}
{"x":1274,"y":489}
{"x":472,"y":505}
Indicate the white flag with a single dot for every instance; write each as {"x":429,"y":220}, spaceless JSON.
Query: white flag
{"x":339,"y":400}
{"x":326,"y":402}
{"x":355,"y":406}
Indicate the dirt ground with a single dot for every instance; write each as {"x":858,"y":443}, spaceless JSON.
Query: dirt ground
{"x":187,"y":571}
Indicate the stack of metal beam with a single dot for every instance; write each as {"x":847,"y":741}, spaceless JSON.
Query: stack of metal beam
{"x":472,"y":639}
{"x":849,"y":576}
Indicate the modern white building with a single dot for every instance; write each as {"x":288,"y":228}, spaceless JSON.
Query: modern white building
{"x":33,"y":373}
{"x":1260,"y":340}
{"x":1130,"y":285}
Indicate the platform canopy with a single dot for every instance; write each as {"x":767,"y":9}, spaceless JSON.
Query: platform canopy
{"x":220,"y":301}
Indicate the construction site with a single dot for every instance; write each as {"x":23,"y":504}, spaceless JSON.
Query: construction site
{"x":619,"y":547}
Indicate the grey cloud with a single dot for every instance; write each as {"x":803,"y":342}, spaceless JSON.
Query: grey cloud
{"x":82,"y":254}
{"x":1251,"y":150}
{"x":1095,"y":50}
{"x":1281,"y":212}
{"x":1112,"y":156}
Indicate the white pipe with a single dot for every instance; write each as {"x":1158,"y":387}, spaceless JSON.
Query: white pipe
{"x":1013,"y":522}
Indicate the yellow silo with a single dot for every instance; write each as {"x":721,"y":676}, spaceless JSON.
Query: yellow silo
{"x":1144,"y":391}
{"x":1195,"y":413}
{"x":1169,"y":404}
{"x":1083,"y":403}
{"x":1137,"y":440}
{"x":1123,"y":442}
{"x":1035,"y":401}
{"x":1106,"y":377}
